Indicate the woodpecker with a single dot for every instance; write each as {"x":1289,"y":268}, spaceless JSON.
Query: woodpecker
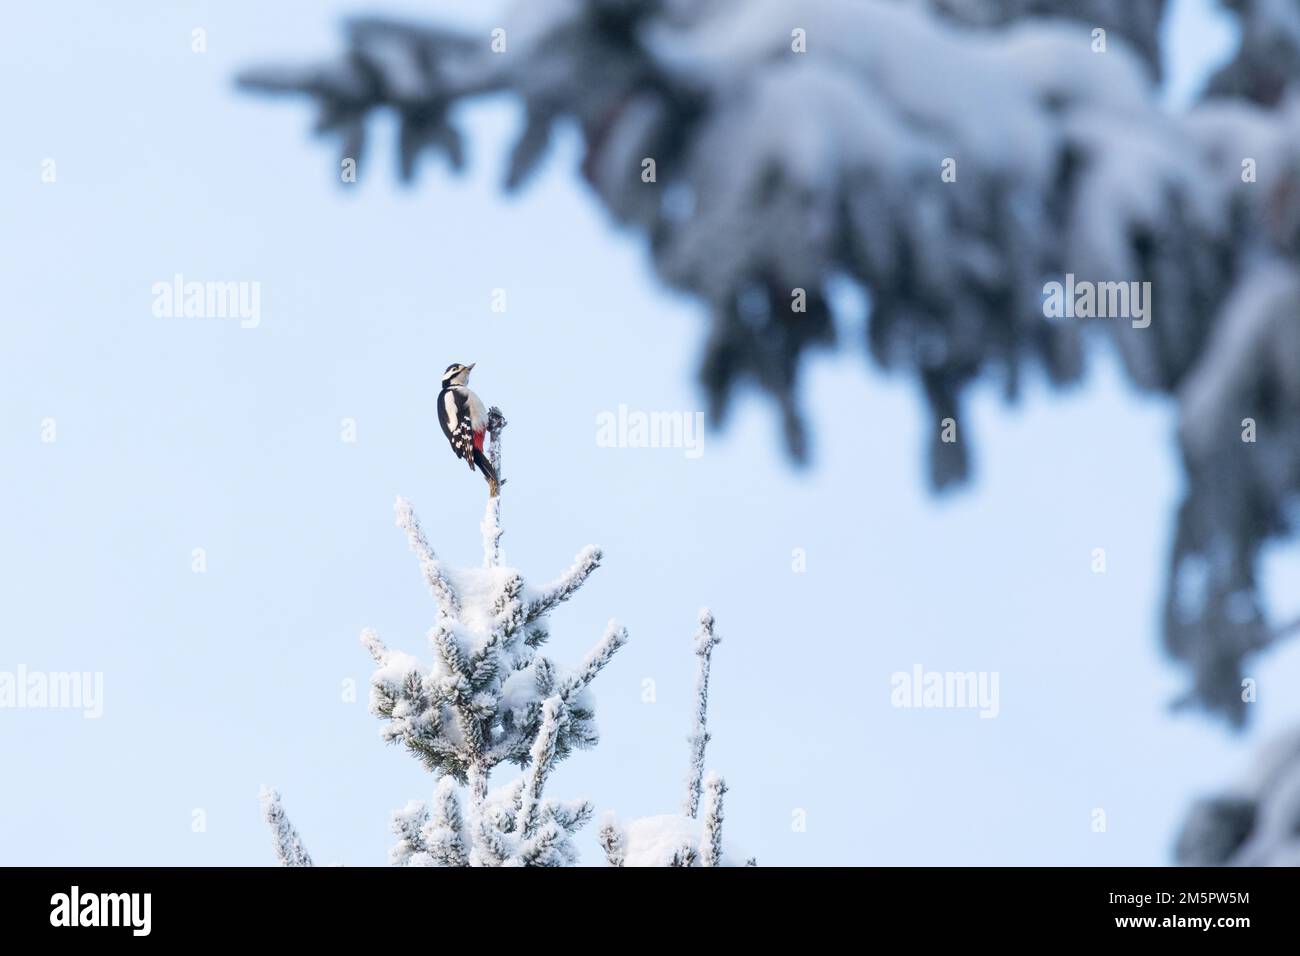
{"x":464,"y":421}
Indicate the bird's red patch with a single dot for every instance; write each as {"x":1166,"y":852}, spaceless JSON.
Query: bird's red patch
{"x":478,"y":440}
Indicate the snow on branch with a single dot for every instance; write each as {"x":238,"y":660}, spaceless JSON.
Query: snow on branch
{"x":562,"y":588}
{"x":492,"y":531}
{"x":371,"y":642}
{"x":288,"y":845}
{"x":596,"y":659}
{"x":554,"y":715}
{"x":693,"y":837}
{"x":426,"y":70}
{"x":444,"y":834}
{"x":491,"y":525}
{"x":496,"y":423}
{"x":408,"y":824}
{"x":705,"y":641}
{"x":1138,"y":23}
{"x":613,"y":840}
{"x":714,"y":788}
{"x":684,"y":855}
{"x":430,"y":567}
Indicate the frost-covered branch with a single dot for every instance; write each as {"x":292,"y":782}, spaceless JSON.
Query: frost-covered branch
{"x":711,"y":850}
{"x":613,"y":840}
{"x":496,"y":423}
{"x":492,"y":531}
{"x":561,"y":588}
{"x":288,"y":845}
{"x":426,"y":70}
{"x":596,"y":659}
{"x":693,"y":837}
{"x":1137,"y":23}
{"x":408,"y":825}
{"x":491,"y":526}
{"x":685,"y":855}
{"x":444,"y":834}
{"x":705,"y":641}
{"x":371,"y":642}
{"x":430,"y":567}
{"x":554,"y":715}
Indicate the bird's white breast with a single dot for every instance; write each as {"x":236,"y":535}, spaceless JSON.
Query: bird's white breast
{"x":477,"y":413}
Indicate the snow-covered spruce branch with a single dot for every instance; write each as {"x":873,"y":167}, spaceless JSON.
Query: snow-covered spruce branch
{"x":803,"y":167}
{"x":434,"y":574}
{"x":569,"y":688}
{"x":685,"y":855}
{"x":554,"y":715}
{"x":445,"y":838}
{"x":714,"y":788}
{"x":685,"y":839}
{"x":289,"y":850}
{"x":705,"y":641}
{"x":427,"y":71}
{"x":595,"y":661}
{"x":613,"y":840}
{"x":557,"y":591}
{"x":409,"y":824}
{"x":488,"y":697}
{"x":1137,"y":23}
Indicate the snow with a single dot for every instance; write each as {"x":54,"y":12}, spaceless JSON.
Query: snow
{"x":408,"y":823}
{"x":477,"y":590}
{"x":289,"y":850}
{"x":397,"y":667}
{"x":492,"y":531}
{"x":655,"y":840}
{"x":519,"y":691}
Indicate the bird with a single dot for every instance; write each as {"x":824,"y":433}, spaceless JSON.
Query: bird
{"x":464,"y":421}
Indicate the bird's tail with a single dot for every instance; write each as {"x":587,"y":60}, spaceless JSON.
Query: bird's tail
{"x":489,"y":473}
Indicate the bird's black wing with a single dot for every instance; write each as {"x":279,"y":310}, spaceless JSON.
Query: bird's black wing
{"x":461,"y":435}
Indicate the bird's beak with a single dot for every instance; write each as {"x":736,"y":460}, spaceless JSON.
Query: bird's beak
{"x":470,"y":366}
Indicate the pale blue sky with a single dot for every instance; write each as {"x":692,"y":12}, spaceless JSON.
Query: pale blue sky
{"x":182,"y":433}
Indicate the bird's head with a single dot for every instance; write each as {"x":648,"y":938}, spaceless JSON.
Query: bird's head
{"x":456,"y":374}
